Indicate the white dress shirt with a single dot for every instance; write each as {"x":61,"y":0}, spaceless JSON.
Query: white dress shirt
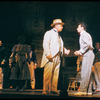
{"x":85,"y":41}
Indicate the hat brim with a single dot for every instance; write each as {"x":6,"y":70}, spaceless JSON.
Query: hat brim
{"x":56,"y":23}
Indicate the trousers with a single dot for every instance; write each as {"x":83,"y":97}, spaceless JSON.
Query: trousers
{"x":32,"y":73}
{"x":97,"y":74}
{"x":1,"y":78}
{"x":86,"y":71}
{"x":51,"y":74}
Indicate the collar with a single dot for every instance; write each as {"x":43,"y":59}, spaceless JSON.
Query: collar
{"x":55,"y":30}
{"x":82,"y":32}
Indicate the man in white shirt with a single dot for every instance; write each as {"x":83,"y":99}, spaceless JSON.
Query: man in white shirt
{"x":86,"y":49}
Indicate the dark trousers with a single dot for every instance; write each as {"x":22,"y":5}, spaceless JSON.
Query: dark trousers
{"x":63,"y":81}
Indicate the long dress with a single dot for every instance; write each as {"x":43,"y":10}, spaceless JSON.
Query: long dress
{"x":20,"y":70}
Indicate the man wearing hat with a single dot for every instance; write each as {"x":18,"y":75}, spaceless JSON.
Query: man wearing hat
{"x":53,"y":50}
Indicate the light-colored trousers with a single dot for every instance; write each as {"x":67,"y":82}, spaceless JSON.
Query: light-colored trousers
{"x":97,"y":74}
{"x":87,"y":63}
{"x":1,"y":78}
{"x":51,"y":74}
{"x":32,"y":73}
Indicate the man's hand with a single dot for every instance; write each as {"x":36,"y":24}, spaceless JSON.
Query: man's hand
{"x":77,"y":53}
{"x":35,"y":66}
{"x":9,"y":65}
{"x":78,"y":69}
{"x":2,"y":63}
{"x":49,"y":57}
{"x":67,"y":52}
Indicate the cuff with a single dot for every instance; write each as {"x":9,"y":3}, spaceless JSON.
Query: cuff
{"x":82,"y":51}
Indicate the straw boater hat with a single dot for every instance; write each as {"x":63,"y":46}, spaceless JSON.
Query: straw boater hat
{"x":57,"y":21}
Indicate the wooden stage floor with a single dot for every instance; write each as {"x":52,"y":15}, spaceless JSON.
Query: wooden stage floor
{"x":37,"y":94}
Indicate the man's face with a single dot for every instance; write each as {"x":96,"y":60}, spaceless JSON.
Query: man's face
{"x":59,"y":27}
{"x":97,"y":45}
{"x":79,"y":29}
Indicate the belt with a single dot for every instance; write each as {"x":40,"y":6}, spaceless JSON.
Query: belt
{"x":88,"y":50}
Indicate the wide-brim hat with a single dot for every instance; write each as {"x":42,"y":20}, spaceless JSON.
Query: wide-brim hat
{"x":57,"y":21}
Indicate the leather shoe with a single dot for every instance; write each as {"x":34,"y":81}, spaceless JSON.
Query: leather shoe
{"x":44,"y":92}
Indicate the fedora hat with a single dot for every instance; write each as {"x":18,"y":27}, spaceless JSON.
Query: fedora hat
{"x":57,"y":21}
